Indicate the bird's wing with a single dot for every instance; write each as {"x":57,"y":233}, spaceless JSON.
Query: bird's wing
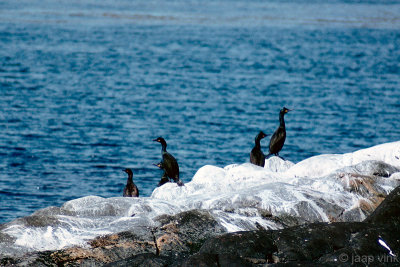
{"x":170,"y":165}
{"x":277,"y":140}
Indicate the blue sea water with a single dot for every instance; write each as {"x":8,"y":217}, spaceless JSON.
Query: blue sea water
{"x":85,"y":86}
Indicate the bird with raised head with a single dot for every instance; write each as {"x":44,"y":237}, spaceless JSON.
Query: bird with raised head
{"x":130,"y":189}
{"x":278,"y":138}
{"x":169,"y":163}
{"x":257,"y":157}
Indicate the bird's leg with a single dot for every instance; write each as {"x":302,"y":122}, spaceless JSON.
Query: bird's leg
{"x":178,"y":181}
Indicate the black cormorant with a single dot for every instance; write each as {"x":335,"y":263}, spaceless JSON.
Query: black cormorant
{"x":257,"y":157}
{"x":169,"y":163}
{"x":279,"y":136}
{"x":130,"y":189}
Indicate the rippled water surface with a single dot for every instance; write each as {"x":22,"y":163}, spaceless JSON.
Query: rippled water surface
{"x":86,"y":85}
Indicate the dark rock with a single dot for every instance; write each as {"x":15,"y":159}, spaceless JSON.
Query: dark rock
{"x":217,"y":260}
{"x":309,"y":242}
{"x":250,"y":244}
{"x":185,"y":232}
{"x":287,"y":220}
{"x":322,"y":243}
{"x":389,"y":210}
{"x":7,"y":261}
{"x":142,"y":260}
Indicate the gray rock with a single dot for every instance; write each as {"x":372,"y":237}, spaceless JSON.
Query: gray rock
{"x":328,"y":244}
{"x":177,"y":236}
{"x":194,"y":238}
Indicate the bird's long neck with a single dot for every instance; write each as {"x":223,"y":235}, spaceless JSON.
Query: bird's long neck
{"x":257,"y":142}
{"x":163,"y":147}
{"x":282,"y":120}
{"x":130,"y":177}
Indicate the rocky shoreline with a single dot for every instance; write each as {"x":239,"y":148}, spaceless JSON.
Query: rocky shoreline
{"x":194,"y":238}
{"x":327,"y":210}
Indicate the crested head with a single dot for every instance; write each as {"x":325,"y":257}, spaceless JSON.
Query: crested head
{"x":258,"y":138}
{"x":160,"y":140}
{"x":285,"y":110}
{"x":260,"y":135}
{"x":163,"y":143}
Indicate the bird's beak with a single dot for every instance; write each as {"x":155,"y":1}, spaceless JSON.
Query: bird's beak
{"x":289,"y":110}
{"x":155,"y":140}
{"x":155,"y":164}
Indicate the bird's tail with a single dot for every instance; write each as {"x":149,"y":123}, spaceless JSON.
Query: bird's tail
{"x":164,"y":179}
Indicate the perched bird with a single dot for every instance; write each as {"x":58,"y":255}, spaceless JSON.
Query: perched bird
{"x":257,"y":157}
{"x":279,"y":136}
{"x":130,"y":189}
{"x":164,"y":178}
{"x":169,"y":163}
